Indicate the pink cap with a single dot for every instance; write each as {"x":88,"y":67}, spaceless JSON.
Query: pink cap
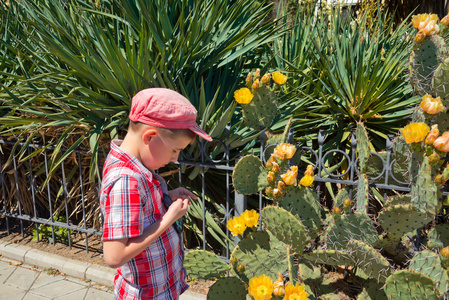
{"x":165,"y":108}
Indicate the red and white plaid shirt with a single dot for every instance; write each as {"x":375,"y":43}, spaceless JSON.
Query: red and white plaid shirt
{"x":131,"y":200}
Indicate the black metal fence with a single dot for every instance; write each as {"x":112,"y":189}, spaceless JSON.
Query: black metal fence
{"x":24,"y":189}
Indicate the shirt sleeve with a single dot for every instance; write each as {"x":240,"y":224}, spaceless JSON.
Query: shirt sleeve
{"x":123,"y":211}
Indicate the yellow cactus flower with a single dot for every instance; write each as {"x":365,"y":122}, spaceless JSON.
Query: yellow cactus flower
{"x":278,"y":286}
{"x":307,"y":180}
{"x":284,"y":151}
{"x":290,"y":176}
{"x":432,"y":135}
{"x":309,"y":170}
{"x":261,"y":287}
{"x":237,"y":225}
{"x":431,"y":105}
{"x":279,"y":78}
{"x":420,"y":21}
{"x":295,"y":292}
{"x":251,"y":218}
{"x":442,"y":142}
{"x":243,"y":96}
{"x":415,"y":132}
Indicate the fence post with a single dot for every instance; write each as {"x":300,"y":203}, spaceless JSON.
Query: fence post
{"x":240,"y":206}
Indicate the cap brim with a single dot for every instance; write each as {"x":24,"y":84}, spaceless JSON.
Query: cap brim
{"x":201,"y":133}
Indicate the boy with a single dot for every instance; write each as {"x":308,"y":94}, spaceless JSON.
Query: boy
{"x":138,"y":237}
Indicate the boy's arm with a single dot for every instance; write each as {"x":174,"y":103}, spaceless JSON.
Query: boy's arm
{"x":118,"y":252}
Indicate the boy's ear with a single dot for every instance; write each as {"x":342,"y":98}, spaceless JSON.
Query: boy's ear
{"x":148,"y":134}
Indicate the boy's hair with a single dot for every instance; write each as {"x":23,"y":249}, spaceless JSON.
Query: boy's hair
{"x":171,"y":133}
{"x":165,"y":108}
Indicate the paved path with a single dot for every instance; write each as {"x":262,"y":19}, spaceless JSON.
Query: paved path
{"x":28,"y":274}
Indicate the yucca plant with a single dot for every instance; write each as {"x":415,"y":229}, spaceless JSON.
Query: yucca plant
{"x":342,"y":72}
{"x":75,"y":66}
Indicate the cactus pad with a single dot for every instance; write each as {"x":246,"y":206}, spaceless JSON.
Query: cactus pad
{"x":368,"y":260}
{"x":372,"y":290}
{"x":260,"y":253}
{"x":249,"y":175}
{"x":363,"y":150}
{"x":362,"y":194}
{"x":304,"y":204}
{"x":330,"y":257}
{"x":425,"y":193}
{"x":429,"y":263}
{"x":285,"y":227}
{"x":227,"y":288}
{"x":204,"y":265}
{"x":357,"y":226}
{"x":438,"y":236}
{"x":261,"y":110}
{"x":408,"y":285}
{"x":423,"y":61}
{"x":440,"y":83}
{"x":400,"y":219}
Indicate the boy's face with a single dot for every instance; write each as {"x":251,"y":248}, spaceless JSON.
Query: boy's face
{"x":159,"y":150}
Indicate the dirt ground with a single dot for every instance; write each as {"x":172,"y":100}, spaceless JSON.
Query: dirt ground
{"x":78,"y":251}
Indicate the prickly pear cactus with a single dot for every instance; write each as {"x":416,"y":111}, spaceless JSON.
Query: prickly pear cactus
{"x":405,"y":284}
{"x":429,"y":263}
{"x":204,"y":265}
{"x":227,"y":288}
{"x":285,"y":227}
{"x":249,"y":175}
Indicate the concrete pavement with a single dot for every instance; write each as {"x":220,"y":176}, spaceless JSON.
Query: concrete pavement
{"x":27,"y":273}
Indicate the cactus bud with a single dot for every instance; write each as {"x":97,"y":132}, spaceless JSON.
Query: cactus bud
{"x":420,"y":37}
{"x":336,"y":210}
{"x":277,"y":194}
{"x":438,"y":179}
{"x":249,"y":80}
{"x":233,"y":260}
{"x":309,"y":170}
{"x":256,"y":84}
{"x":257,"y":73}
{"x":269,"y":191}
{"x":347,"y":202}
{"x":241,"y":268}
{"x":432,"y":135}
{"x":434,"y":158}
{"x":281,"y":185}
{"x":431,"y":105}
{"x":444,"y":257}
{"x":266,"y":78}
{"x":278,"y":286}
{"x":271,"y":177}
{"x":275,"y":167}
{"x":445,"y":20}
{"x":442,"y":142}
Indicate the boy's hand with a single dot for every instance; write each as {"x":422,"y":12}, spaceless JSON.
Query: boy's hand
{"x":178,"y":209}
{"x":181,"y":193}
